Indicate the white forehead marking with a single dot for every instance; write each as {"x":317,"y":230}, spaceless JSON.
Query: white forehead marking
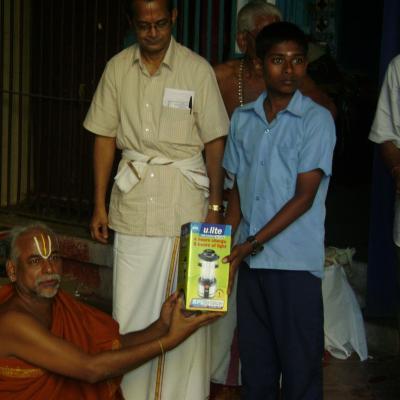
{"x":44,"y":254}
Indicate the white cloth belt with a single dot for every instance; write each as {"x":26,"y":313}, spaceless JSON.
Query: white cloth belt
{"x":135,"y":165}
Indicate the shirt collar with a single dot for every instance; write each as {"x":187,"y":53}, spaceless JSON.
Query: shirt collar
{"x":169,"y":58}
{"x":294,"y":107}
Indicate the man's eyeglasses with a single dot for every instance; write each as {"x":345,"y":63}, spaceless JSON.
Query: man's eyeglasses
{"x":158,"y":25}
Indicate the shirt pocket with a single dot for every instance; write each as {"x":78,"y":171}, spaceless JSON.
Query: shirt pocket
{"x":176,"y":126}
{"x":283,"y":170}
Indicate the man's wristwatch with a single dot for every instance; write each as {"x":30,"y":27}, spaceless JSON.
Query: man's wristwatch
{"x":256,"y":245}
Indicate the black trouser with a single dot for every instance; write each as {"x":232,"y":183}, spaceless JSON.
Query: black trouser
{"x":280,"y":328}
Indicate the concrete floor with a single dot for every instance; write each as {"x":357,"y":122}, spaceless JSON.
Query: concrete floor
{"x":378,"y":378}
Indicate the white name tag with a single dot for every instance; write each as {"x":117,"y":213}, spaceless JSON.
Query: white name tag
{"x":176,"y":98}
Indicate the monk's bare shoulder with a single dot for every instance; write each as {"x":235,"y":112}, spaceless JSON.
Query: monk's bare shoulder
{"x":228,"y":77}
{"x":15,"y":325}
{"x":227,"y":71}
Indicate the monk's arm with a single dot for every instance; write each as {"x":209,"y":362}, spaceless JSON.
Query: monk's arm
{"x":23,"y":337}
{"x":156,"y":329}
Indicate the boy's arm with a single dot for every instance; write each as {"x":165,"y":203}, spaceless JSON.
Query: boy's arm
{"x":306,"y":188}
{"x":233,"y":213}
{"x":233,"y":217}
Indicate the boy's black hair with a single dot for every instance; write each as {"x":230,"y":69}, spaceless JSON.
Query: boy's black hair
{"x":130,"y":8}
{"x":279,"y":32}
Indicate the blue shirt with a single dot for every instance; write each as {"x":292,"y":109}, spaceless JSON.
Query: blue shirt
{"x":266,"y":159}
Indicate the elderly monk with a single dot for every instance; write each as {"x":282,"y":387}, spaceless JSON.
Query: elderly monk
{"x":54,"y":347}
{"x":241,"y":81}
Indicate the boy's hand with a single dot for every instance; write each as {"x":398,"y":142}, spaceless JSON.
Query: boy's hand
{"x":238,"y":253}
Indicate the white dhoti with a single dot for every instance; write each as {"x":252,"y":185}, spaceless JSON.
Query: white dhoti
{"x":145,"y":272}
{"x":225,"y":363}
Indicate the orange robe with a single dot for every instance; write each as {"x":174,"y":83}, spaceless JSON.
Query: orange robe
{"x":80,"y":324}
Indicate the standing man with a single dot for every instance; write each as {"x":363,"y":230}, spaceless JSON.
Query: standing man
{"x":385,"y":131}
{"x":159,"y":102}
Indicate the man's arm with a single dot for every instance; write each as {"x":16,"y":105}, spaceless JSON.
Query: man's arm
{"x":24,"y":337}
{"x":391,"y":157}
{"x":306,"y":188}
{"x":103,"y":158}
{"x":214,"y":152}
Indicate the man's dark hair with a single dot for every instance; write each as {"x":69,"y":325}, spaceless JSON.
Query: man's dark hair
{"x":130,"y":8}
{"x":279,"y":32}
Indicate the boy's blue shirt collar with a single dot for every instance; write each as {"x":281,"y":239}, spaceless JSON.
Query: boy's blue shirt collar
{"x":294,"y":107}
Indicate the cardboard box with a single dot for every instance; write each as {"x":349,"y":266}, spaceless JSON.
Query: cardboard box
{"x":201,"y":275}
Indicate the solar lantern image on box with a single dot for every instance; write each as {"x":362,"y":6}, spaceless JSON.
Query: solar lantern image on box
{"x":207,"y":281}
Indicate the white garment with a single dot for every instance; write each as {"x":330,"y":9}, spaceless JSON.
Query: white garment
{"x":386,"y":125}
{"x":225,"y":364}
{"x":134,"y":166}
{"x":343,"y":321}
{"x":142,"y":281}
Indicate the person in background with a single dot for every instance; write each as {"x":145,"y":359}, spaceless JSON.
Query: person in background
{"x":240,"y":80}
{"x":385,"y":131}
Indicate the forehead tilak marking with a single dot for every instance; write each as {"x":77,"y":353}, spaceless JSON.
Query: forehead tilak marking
{"x":44,"y":254}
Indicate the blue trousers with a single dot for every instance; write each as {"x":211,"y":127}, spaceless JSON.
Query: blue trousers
{"x":280,"y":331}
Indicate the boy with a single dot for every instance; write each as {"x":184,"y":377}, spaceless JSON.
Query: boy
{"x":280,"y":150}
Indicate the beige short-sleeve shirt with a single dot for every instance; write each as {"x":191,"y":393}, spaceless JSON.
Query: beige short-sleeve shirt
{"x":136,"y":108}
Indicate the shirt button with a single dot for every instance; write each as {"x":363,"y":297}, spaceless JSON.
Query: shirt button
{"x":262,"y":162}
{"x":152,"y":175}
{"x":147,"y":130}
{"x":147,"y":105}
{"x":151,"y":199}
{"x":257,"y":198}
{"x":266,"y":131}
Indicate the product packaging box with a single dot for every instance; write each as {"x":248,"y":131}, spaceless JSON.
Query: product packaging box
{"x":202,"y":275}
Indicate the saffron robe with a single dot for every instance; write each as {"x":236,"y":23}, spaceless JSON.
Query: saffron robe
{"x":84,"y":326}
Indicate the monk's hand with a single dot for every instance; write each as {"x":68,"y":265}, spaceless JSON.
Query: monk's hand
{"x":183,"y":325}
{"x":99,"y":225}
{"x":166,"y":312}
{"x":238,"y":254}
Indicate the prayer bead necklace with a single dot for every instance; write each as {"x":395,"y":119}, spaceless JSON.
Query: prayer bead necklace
{"x":240,"y":83}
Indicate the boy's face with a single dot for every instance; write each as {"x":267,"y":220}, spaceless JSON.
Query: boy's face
{"x":284,"y":68}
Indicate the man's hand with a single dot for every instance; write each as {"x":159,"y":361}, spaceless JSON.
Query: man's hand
{"x":238,"y":254}
{"x":99,"y":225}
{"x":214,"y":217}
